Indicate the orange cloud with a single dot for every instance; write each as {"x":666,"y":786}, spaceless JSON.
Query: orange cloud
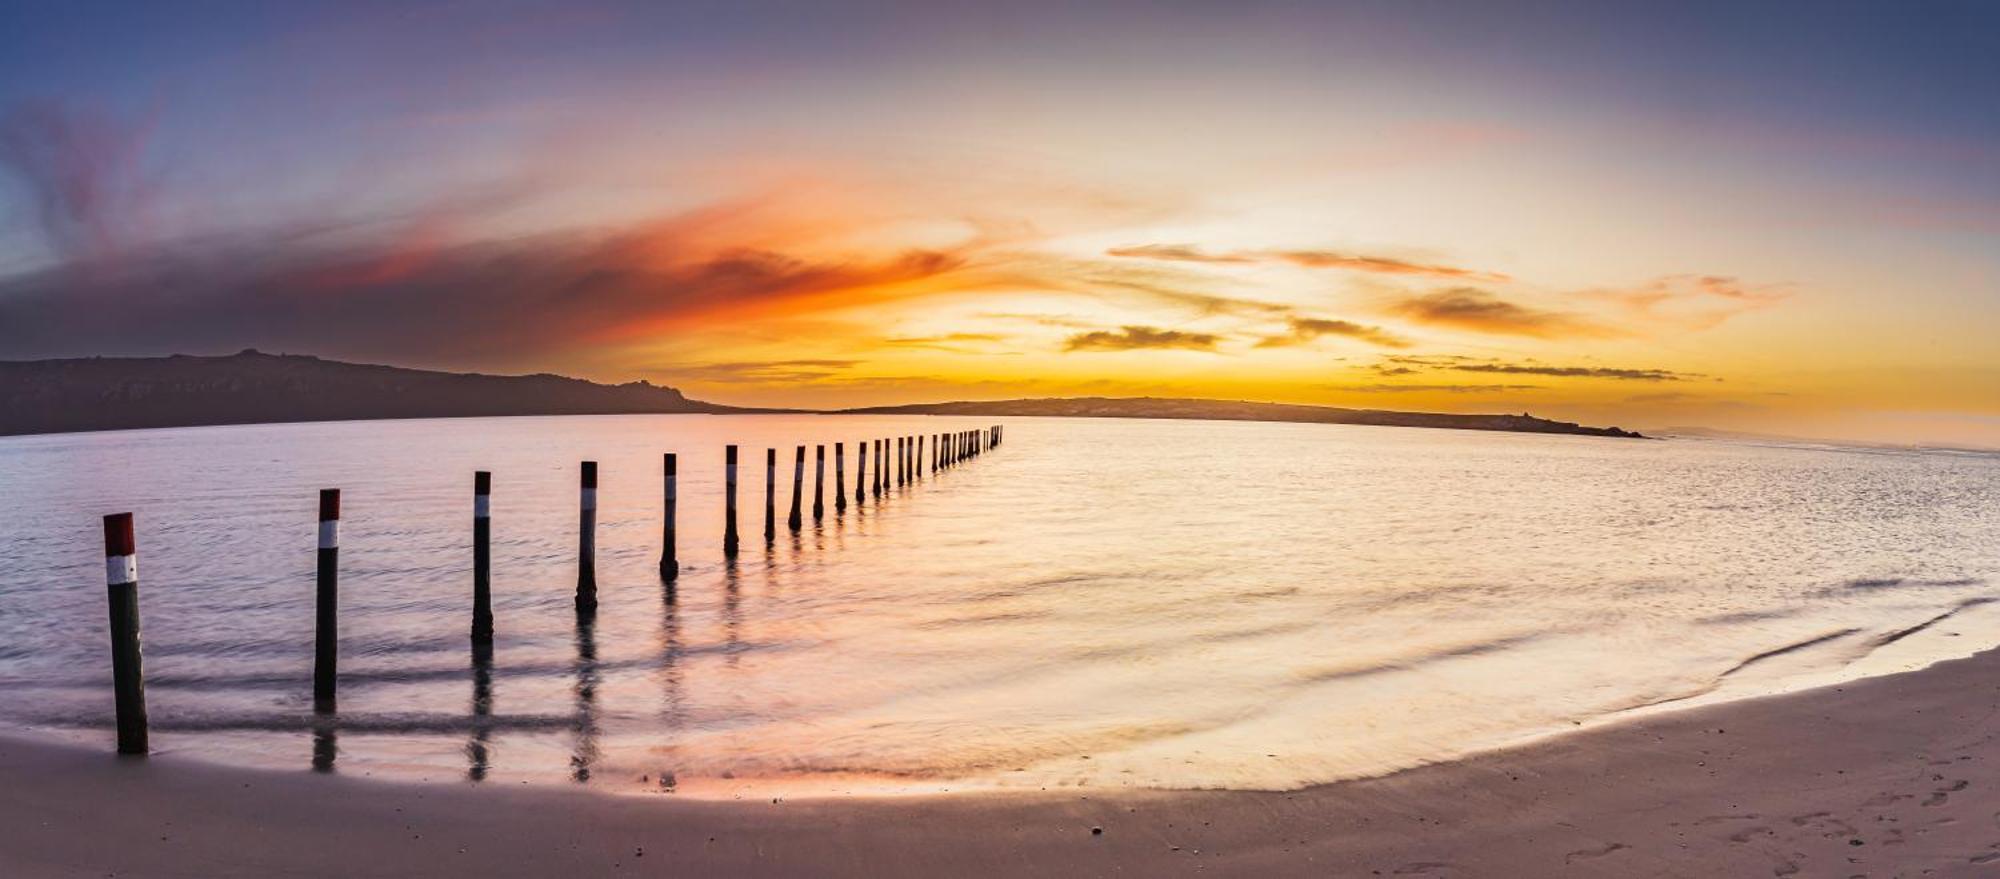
{"x":1131,"y":338}
{"x":1306,"y":329}
{"x":1315,"y":259}
{"x":1480,"y":311}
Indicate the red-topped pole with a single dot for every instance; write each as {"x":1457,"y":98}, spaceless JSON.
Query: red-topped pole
{"x":326,"y":622}
{"x":482,"y":557}
{"x":128,"y":677}
{"x":586,"y":539}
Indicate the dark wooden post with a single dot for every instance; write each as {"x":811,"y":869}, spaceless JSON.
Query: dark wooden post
{"x":729,"y":514}
{"x":482,"y":557}
{"x":860,"y":473}
{"x":839,"y":477}
{"x":770,"y":496}
{"x":819,"y":482}
{"x":902,"y":460}
{"x":586,"y":538}
{"x":881,"y":467}
{"x":670,"y":563}
{"x":798,"y":487}
{"x":128,"y":677}
{"x":326,"y":622}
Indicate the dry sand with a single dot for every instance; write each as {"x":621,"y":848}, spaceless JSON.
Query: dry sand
{"x":1889,"y":776}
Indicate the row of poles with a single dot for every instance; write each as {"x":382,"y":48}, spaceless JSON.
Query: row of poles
{"x":911,"y":455}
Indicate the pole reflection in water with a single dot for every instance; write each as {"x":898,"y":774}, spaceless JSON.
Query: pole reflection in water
{"x":476,"y":752}
{"x":325,"y":743}
{"x":732,"y":613}
{"x":585,"y":725}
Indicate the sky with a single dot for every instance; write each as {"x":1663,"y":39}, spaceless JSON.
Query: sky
{"x":1770,"y":217}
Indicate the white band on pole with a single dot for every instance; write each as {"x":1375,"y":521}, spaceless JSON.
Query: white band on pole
{"x":121,"y":569}
{"x":329,"y":534}
{"x":482,"y":506}
{"x":590,"y":499}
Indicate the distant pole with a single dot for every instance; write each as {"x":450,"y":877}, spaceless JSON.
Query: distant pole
{"x":881,"y":467}
{"x":902,"y":460}
{"x":482,"y":557}
{"x":326,"y":623}
{"x":937,"y":450}
{"x":860,"y":472}
{"x":670,"y":563}
{"x":917,"y":460}
{"x":729,"y":514}
{"x":819,"y":482}
{"x":798,"y":486}
{"x":586,"y":538}
{"x":839,"y":477}
{"x":770,"y":496}
{"x":128,"y":678}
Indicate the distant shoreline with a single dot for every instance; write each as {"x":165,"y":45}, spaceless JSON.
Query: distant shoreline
{"x":140,"y":393}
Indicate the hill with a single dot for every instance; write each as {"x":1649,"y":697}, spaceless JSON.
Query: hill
{"x":113,"y":393}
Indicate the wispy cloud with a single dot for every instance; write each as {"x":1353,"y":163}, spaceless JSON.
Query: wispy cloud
{"x":1640,"y":375}
{"x":1445,"y":389}
{"x":1480,"y":311}
{"x":1694,"y":301}
{"x":1306,"y":329}
{"x":1132,"y":338}
{"x":83,"y":172}
{"x":761,"y":371}
{"x":1413,"y":364}
{"x":1316,"y":259}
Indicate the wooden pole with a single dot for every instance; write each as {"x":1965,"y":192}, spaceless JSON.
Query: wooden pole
{"x":860,"y":473}
{"x":326,"y":623}
{"x":670,"y":563}
{"x":128,"y":677}
{"x":729,"y":515}
{"x":770,"y":496}
{"x":586,"y":538}
{"x":819,"y":482}
{"x":482,"y":557}
{"x":902,"y":461}
{"x":798,"y":487}
{"x":839,"y":477}
{"x":881,"y":466}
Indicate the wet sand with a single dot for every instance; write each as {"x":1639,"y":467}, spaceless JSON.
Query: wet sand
{"x":1890,"y":776}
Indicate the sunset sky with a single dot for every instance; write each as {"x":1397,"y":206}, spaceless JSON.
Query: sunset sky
{"x":1770,"y":217}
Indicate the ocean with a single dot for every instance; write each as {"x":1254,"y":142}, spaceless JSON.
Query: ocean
{"x":1093,"y":604}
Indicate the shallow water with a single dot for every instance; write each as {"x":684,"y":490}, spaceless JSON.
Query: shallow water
{"x":1096,"y":602}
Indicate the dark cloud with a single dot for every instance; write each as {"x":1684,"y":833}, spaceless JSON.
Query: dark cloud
{"x":1317,"y":259}
{"x":1470,"y":308}
{"x":1135,"y":337}
{"x":414,"y":302}
{"x":1306,"y":329}
{"x":82,"y":172}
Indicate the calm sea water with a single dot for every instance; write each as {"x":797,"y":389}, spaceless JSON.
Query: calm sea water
{"x":1095,"y":603}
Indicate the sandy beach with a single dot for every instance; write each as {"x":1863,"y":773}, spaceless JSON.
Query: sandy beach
{"x":1886,"y":776}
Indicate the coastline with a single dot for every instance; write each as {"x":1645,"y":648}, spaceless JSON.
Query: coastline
{"x":1876,"y":773}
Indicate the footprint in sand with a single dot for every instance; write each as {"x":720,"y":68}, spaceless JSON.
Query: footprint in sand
{"x":1591,"y":854}
{"x":1824,"y":822}
{"x":1743,"y":836}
